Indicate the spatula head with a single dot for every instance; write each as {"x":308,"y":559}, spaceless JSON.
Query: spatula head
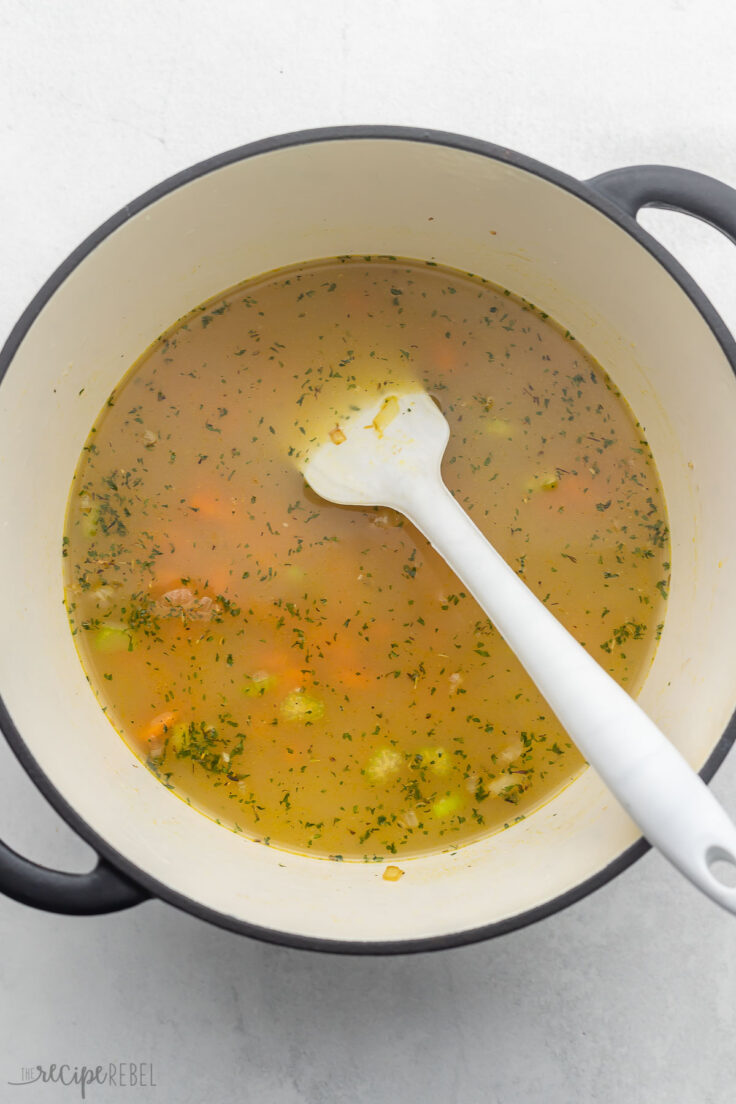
{"x":377,"y":454}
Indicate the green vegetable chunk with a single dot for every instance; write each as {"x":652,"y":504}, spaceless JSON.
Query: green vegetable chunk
{"x":113,"y":638}
{"x":301,"y":707}
{"x":383,"y":763}
{"x":447,"y":805}
{"x":259,"y":684}
{"x":435,"y":759}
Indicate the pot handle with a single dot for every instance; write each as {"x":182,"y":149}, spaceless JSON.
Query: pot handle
{"x":691,"y":193}
{"x":103,"y":889}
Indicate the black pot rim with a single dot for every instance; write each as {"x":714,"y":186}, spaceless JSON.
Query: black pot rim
{"x":582,"y":191}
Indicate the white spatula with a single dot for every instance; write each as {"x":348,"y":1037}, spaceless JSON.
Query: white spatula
{"x":389,"y":454}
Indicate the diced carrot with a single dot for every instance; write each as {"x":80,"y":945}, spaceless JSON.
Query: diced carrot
{"x":210,"y":505}
{"x":219,"y":581}
{"x":282,"y":664}
{"x":154,"y":733}
{"x":445,"y":359}
{"x":348,"y":676}
{"x":273,"y":661}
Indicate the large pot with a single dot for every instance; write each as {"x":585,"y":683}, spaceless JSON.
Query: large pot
{"x":572,"y":248}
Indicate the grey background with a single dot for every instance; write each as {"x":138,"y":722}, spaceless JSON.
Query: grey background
{"x":630,"y":995}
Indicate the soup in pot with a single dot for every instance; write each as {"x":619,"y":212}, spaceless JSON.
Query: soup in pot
{"x":314,"y":676}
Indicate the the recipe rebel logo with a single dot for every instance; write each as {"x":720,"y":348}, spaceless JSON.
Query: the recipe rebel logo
{"x":119,"y":1075}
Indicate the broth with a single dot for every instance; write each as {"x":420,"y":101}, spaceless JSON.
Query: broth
{"x":312,"y":675}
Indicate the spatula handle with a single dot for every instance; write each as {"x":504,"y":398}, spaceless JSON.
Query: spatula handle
{"x":671,"y":804}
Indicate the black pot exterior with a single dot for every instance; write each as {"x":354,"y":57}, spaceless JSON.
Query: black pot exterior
{"x":115,"y":883}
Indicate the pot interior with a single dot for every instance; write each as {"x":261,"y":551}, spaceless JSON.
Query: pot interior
{"x":355,"y":196}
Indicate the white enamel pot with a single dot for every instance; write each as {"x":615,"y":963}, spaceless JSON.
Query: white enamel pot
{"x":574,"y":249}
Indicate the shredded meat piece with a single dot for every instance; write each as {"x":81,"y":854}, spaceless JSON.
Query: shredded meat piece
{"x":184,"y":603}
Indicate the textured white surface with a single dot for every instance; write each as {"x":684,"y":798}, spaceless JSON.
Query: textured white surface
{"x":629,"y":996}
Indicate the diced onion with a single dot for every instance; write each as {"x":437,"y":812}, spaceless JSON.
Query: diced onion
{"x":389,"y":410}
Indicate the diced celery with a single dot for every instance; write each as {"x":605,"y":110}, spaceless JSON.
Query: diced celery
{"x":383,"y":763}
{"x":447,"y":805}
{"x":547,"y":481}
{"x":301,"y":707}
{"x":179,"y":737}
{"x":499,"y":427}
{"x":90,"y":521}
{"x":259,"y":684}
{"x":113,"y":638}
{"x":434,"y":759}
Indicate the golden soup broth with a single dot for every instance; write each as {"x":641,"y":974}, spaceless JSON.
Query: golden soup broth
{"x":314,"y":676}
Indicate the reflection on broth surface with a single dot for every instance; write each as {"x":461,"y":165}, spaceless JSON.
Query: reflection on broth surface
{"x":314,"y":676}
